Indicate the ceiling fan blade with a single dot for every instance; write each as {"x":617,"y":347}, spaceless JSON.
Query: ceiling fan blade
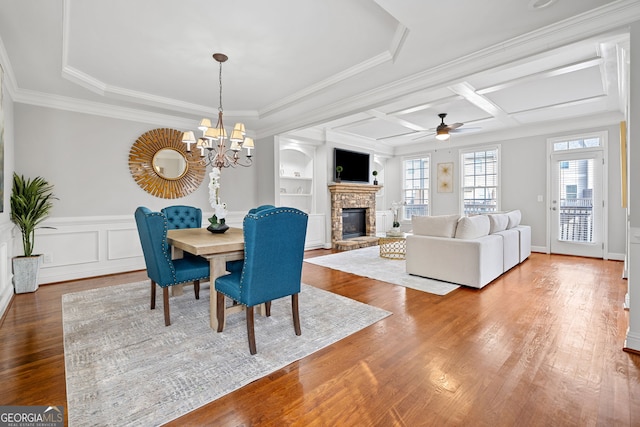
{"x":454,"y":126}
{"x":463,"y":130}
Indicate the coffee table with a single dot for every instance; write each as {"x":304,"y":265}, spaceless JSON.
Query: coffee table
{"x":393,"y":247}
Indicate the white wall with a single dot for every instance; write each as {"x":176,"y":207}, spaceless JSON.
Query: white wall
{"x":85,"y":157}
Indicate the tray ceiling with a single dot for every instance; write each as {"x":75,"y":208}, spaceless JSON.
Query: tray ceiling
{"x":380,"y":71}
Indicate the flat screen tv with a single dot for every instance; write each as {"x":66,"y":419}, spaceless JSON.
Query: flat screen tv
{"x":355,"y":166}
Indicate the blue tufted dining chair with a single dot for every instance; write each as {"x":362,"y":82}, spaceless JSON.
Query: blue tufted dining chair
{"x":181,"y":216}
{"x":161,"y":269}
{"x":272,"y":266}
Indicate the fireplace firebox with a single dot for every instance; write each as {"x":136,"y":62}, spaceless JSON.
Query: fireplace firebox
{"x":354,"y":222}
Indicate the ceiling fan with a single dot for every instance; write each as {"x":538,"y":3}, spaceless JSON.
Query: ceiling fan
{"x":443,"y":129}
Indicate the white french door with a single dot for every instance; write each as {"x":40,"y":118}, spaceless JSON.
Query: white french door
{"x":577,"y":200}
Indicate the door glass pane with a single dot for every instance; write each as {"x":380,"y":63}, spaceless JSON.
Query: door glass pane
{"x":576,"y":183}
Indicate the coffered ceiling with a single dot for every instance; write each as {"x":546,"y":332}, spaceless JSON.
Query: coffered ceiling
{"x":379,"y":71}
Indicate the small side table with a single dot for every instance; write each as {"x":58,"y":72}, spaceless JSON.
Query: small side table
{"x":393,"y":247}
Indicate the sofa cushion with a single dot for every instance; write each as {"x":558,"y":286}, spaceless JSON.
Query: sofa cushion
{"x":514,"y":218}
{"x":497,"y":222}
{"x":437,"y":226}
{"x":472,"y":227}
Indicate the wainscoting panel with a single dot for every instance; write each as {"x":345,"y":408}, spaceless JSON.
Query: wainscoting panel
{"x":119,"y":244}
{"x":6,"y":286}
{"x":65,"y":248}
{"x":80,"y":247}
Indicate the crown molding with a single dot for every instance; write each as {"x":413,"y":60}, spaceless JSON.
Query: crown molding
{"x":606,"y":18}
{"x":386,"y":56}
{"x":95,"y":85}
{"x":59,"y":102}
{"x":8,"y":79}
{"x":600,"y":20}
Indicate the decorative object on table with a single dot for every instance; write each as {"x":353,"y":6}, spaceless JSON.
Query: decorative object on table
{"x":375,"y":177}
{"x":217,"y":221}
{"x":339,"y":170}
{"x":395,"y":230}
{"x":212,"y":144}
{"x":160,"y":165}
{"x":445,"y":177}
{"x":161,"y":269}
{"x":31,"y":202}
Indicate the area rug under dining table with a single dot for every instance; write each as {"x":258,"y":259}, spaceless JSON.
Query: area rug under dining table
{"x":124,"y":367}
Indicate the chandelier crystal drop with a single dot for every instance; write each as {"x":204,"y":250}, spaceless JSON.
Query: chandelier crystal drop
{"x":213,"y":142}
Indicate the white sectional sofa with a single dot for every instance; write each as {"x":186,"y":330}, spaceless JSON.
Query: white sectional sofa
{"x":469,"y":251}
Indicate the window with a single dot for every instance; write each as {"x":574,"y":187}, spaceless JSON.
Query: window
{"x":480,"y":190}
{"x":416,"y":187}
{"x":577,"y":143}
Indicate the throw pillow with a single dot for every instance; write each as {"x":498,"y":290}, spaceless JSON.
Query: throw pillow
{"x":436,"y":226}
{"x":472,"y":227}
{"x":497,"y":222}
{"x":514,"y":218}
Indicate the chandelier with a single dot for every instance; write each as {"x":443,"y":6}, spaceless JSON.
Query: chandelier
{"x":213,"y":142}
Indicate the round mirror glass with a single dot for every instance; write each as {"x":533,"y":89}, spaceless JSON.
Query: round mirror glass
{"x":169,"y":163}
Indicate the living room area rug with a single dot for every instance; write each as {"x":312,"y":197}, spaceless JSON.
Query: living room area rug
{"x":124,"y":367}
{"x":367,"y":262}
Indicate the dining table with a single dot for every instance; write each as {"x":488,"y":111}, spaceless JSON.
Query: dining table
{"x":218,"y":248}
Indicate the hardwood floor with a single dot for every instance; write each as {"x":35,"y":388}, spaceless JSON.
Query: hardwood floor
{"x":540,"y":346}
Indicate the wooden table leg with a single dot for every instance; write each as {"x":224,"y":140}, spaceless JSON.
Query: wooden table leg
{"x":176,"y":290}
{"x":218,"y":267}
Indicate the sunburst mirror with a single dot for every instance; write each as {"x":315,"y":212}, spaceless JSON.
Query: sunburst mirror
{"x":161,"y":166}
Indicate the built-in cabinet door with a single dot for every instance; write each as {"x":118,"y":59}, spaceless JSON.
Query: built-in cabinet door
{"x":315,"y":231}
{"x":384,"y":221}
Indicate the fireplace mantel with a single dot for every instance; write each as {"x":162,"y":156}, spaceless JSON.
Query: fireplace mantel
{"x":353,"y":188}
{"x":350,"y":195}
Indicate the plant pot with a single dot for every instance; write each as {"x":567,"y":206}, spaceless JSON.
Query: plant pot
{"x":25,"y":273}
{"x":218,"y":227}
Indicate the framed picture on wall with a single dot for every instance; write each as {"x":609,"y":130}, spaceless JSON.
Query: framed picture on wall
{"x":445,"y":177}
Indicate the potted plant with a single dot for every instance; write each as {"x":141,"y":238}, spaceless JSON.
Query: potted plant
{"x":375,"y":177}
{"x":31,"y":202}
{"x":339,"y":170}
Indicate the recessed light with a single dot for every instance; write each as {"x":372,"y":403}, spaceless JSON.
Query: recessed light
{"x":540,"y":4}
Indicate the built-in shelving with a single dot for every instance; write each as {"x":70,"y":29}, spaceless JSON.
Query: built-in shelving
{"x":295,"y":183}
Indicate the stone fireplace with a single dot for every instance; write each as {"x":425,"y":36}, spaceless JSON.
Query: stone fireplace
{"x":352,"y":197}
